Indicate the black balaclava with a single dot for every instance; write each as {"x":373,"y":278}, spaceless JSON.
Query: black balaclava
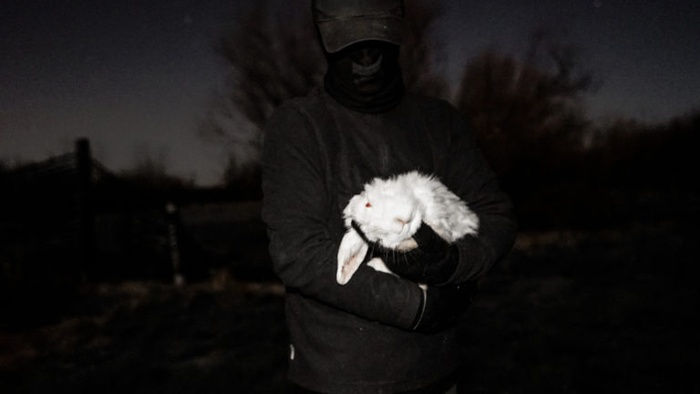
{"x":365,"y":76}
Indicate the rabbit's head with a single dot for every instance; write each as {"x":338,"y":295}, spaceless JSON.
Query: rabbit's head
{"x":386,"y":211}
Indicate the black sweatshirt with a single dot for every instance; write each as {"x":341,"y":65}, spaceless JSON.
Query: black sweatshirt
{"x":356,"y":338}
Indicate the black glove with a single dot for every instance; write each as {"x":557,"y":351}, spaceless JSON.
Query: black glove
{"x":443,"y":306}
{"x":432,"y":262}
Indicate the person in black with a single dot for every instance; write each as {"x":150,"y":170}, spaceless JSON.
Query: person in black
{"x":378,"y":333}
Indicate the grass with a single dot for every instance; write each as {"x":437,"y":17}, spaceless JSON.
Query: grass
{"x":589,"y":313}
{"x":612,"y":310}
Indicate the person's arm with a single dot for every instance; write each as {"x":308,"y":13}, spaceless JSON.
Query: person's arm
{"x":463,"y":169}
{"x":296,"y":210}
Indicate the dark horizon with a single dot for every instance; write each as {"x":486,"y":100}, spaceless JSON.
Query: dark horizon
{"x":135,"y":80}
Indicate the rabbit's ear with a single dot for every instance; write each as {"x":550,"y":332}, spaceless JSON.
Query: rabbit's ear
{"x":350,"y":254}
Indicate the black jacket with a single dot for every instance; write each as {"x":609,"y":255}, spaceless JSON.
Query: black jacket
{"x":317,"y":154}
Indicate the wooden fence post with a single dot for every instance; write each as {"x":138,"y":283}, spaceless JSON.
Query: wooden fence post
{"x":172,"y":215}
{"x":85,"y":208}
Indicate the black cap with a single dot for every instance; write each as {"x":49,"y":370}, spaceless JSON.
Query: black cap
{"x":345,"y":22}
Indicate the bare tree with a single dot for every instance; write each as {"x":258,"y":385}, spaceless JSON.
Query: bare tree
{"x":273,"y":54}
{"x":526,"y":110}
{"x":420,"y":52}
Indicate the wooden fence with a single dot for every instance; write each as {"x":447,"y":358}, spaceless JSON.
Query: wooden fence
{"x":71,"y":219}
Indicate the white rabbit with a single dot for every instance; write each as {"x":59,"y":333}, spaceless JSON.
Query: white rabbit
{"x":389,"y":211}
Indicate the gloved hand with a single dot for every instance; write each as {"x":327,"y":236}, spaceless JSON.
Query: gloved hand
{"x":432,"y":262}
{"x":443,"y":306}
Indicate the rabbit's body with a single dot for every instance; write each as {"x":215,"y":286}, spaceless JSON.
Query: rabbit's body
{"x":389,"y":211}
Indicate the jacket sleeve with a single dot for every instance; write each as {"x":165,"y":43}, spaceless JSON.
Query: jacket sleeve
{"x":468,"y":174}
{"x":297,"y":211}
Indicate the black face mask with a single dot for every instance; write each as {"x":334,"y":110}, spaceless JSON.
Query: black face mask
{"x":365,"y":76}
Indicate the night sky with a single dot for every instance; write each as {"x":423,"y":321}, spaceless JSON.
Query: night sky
{"x":134,"y":76}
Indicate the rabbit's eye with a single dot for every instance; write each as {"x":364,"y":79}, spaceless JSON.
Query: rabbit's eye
{"x":368,"y":205}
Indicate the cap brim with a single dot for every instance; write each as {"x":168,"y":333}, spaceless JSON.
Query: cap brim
{"x":340,"y":33}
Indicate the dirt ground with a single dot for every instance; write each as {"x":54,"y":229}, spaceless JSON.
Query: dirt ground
{"x":614,"y":310}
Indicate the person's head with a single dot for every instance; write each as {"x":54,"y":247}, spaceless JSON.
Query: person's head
{"x":342,"y":23}
{"x":361,"y":39}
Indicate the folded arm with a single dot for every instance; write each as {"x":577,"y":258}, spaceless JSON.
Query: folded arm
{"x":305,"y":228}
{"x":465,"y":172}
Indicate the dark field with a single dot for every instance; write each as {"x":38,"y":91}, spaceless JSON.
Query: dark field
{"x":613,"y":309}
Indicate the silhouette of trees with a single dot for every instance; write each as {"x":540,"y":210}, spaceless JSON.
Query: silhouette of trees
{"x":526,"y":111}
{"x":7,"y":166}
{"x":629,"y":153}
{"x":421,"y":52}
{"x":150,"y":172}
{"x":273,"y":54}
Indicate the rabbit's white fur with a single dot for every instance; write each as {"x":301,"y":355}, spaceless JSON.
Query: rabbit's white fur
{"x":389,"y":211}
